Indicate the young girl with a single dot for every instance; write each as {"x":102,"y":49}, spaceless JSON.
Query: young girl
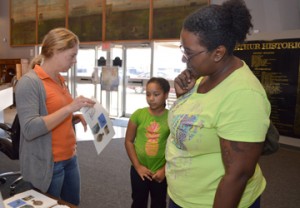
{"x":145,"y":143}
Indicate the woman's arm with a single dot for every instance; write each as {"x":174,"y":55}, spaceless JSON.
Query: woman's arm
{"x":129,"y":145}
{"x":29,"y":96}
{"x":240,"y":160}
{"x":54,"y":119}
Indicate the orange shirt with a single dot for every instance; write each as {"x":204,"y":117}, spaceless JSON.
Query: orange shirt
{"x":63,"y":135}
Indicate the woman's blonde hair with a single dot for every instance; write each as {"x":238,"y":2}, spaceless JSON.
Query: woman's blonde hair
{"x":58,"y":39}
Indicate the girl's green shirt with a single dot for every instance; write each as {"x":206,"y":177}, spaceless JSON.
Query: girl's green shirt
{"x":151,"y":136}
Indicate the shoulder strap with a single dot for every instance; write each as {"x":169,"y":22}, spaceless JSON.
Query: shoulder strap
{"x":15,"y":136}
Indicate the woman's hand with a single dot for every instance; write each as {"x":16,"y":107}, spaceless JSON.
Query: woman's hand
{"x":80,"y":102}
{"x":79,"y":118}
{"x":184,"y":82}
{"x":54,"y":119}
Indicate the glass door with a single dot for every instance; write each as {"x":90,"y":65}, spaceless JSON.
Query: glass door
{"x":133,"y":74}
{"x":112,"y":100}
{"x":168,"y":63}
{"x":139,"y":62}
{"x":137,"y":73}
{"x":84,"y":70}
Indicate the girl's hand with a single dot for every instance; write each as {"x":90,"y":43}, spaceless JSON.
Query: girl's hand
{"x":144,"y":172}
{"x":159,"y":176}
{"x":184,"y":82}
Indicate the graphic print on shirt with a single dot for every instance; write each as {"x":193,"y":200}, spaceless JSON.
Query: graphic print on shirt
{"x":152,"y":134}
{"x":186,"y":127}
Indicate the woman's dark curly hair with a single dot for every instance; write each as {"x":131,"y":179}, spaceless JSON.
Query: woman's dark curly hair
{"x":215,"y":25}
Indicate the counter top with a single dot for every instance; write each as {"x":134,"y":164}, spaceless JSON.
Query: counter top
{"x":6,"y":96}
{"x":5,"y":86}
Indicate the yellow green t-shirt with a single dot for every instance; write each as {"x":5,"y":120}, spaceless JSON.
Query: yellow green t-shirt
{"x":151,"y":137}
{"x":237,"y":109}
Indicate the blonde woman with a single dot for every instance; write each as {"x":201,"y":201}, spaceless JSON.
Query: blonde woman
{"x":45,"y":108}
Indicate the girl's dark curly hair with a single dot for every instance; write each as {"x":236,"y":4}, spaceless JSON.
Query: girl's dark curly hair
{"x":215,"y":25}
{"x":162,"y":82}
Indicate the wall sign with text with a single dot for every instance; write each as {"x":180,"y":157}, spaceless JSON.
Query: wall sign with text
{"x":276,"y":64}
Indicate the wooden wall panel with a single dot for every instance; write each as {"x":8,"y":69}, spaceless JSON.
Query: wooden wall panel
{"x":100,"y":20}
{"x":23,"y":22}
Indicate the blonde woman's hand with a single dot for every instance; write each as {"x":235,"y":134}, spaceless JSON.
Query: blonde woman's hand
{"x":79,"y":118}
{"x":80,"y":102}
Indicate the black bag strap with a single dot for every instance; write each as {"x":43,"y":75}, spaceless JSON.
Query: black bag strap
{"x":15,"y":135}
{"x":271,"y":144}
